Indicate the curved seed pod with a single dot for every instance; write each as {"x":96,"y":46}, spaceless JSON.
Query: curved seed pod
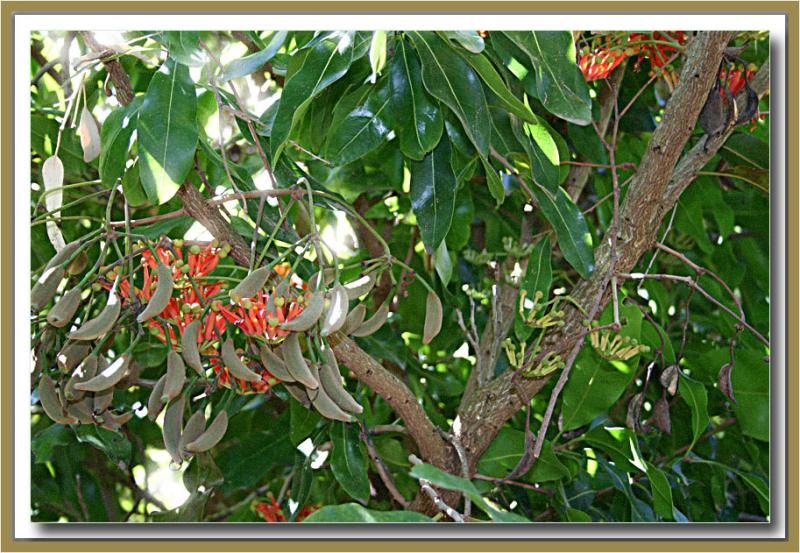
{"x":371,"y":325}
{"x":298,"y":392}
{"x":337,"y":311}
{"x":107,"y":378}
{"x":275,"y":365}
{"x":331,"y":381}
{"x":173,"y":428}
{"x":295,"y":364}
{"x":309,"y":316}
{"x":102,"y":324}
{"x":102,"y":400}
{"x":160,"y":298}
{"x":82,"y":411}
{"x":64,"y":254}
{"x":354,"y":319}
{"x":154,"y":403}
{"x":323,"y":403}
{"x":176,"y":376}
{"x":360,"y":286}
{"x":193,"y":429}
{"x":302,"y":220}
{"x":78,"y":265}
{"x":191,"y":353}
{"x":433,"y":318}
{"x":90,"y":136}
{"x":51,"y":403}
{"x":212,"y":436}
{"x":115,"y":422}
{"x":250,"y":285}
{"x":71,"y":355}
{"x":53,"y":180}
{"x":65,"y":308}
{"x":235,"y":366}
{"x":46,"y":287}
{"x":84,"y":372}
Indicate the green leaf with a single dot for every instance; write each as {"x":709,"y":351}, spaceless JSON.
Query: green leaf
{"x":750,"y":378}
{"x":443,"y":263}
{"x":492,"y":79}
{"x":348,"y":463}
{"x":248,"y":64}
{"x":302,"y":421}
{"x":593,"y":386}
{"x":433,"y":193}
{"x":114,"y":444}
{"x":377,"y":54}
{"x":696,"y":397}
{"x":471,"y":41}
{"x":132,"y":186}
{"x":572,"y":232}
{"x":360,"y":131}
{"x":576,"y":515}
{"x":461,"y":228}
{"x":588,"y":144}
{"x":538,"y":276}
{"x":310,"y":72}
{"x":450,"y":79}
{"x":620,"y":444}
{"x":353,"y":512}
{"x":542,"y":152}
{"x":202,"y":471}
{"x":167,"y":132}
{"x":44,"y":443}
{"x":417,"y":120}
{"x":558,"y":83}
{"x":662,"y":492}
{"x":184,"y":47}
{"x":494,"y":182}
{"x":115,"y":139}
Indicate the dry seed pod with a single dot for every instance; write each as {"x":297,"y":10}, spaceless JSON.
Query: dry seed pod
{"x":336,"y":314}
{"x":82,"y":373}
{"x":51,"y":403}
{"x":433,"y":317}
{"x":296,"y":364}
{"x":724,"y":381}
{"x":274,"y":365}
{"x":191,"y":353}
{"x":154,"y":403}
{"x":193,"y":429}
{"x":360,"y":286}
{"x":160,"y":298}
{"x":212,"y":436}
{"x":173,"y":428}
{"x":331,"y":381}
{"x":102,"y":400}
{"x":107,"y":378}
{"x":102,"y":324}
{"x":250,"y":285}
{"x":669,"y":379}
{"x":90,"y":136}
{"x":71,"y":355}
{"x":46,"y":287}
{"x":115,"y":422}
{"x":309,"y":316}
{"x":634,"y":412}
{"x":298,"y":392}
{"x":82,"y":411}
{"x":53,"y":180}
{"x":354,"y":319}
{"x":371,"y":325}
{"x":661,"y":417}
{"x":323,"y":403}
{"x":176,"y":376}
{"x":234,"y":363}
{"x":65,"y":308}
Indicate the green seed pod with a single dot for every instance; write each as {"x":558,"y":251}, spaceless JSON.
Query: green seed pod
{"x":102,"y":324}
{"x":173,"y":428}
{"x":296,"y":364}
{"x":65,"y":308}
{"x":102,"y":400}
{"x":298,"y":392}
{"x":160,"y":298}
{"x":212,"y":436}
{"x":374,"y":323}
{"x":234,"y":363}
{"x":82,"y":373}
{"x":323,"y":403}
{"x":309,"y":316}
{"x":154,"y":403}
{"x":176,"y":376}
{"x":302,"y":220}
{"x":360,"y":286}
{"x":275,"y":365}
{"x":354,"y":319}
{"x":189,"y":349}
{"x":250,"y":285}
{"x":336,"y":314}
{"x":71,"y":355}
{"x":193,"y":429}
{"x":45,"y":288}
{"x":51,"y":403}
{"x":433,"y":318}
{"x":107,"y":378}
{"x":331,"y":380}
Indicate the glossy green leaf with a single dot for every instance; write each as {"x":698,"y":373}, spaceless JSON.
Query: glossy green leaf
{"x":593,"y":386}
{"x":505,"y":451}
{"x":696,"y":397}
{"x":167,"y":132}
{"x":576,"y":515}
{"x":242,"y":464}
{"x":461,"y":227}
{"x":538,"y":276}
{"x":750,"y":378}
{"x":495,"y":83}
{"x":542,"y":151}
{"x":360,"y":131}
{"x":662,"y":492}
{"x":184,"y":47}
{"x":302,"y":421}
{"x":443,"y":263}
{"x":353,"y":512}
{"x":115,"y":137}
{"x":377,"y":54}
{"x":114,"y":444}
{"x":348,"y":462}
{"x":471,"y":41}
{"x":619,"y":443}
{"x":249,"y":64}
{"x":450,"y":79}
{"x":433,"y":193}
{"x":132,"y":186}
{"x":572,"y":232}
{"x":494,"y":182}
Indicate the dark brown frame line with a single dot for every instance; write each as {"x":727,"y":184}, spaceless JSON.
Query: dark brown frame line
{"x":9,"y":543}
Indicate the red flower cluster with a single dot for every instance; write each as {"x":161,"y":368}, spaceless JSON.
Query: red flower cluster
{"x":601,"y":61}
{"x":735,"y":80}
{"x":270,"y":511}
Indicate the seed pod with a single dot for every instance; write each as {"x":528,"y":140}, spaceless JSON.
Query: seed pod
{"x":296,"y":364}
{"x":661,"y":417}
{"x":82,"y":411}
{"x":53,"y":180}
{"x":193,"y":429}
{"x":235,"y":366}
{"x":102,"y":400}
{"x":107,"y":378}
{"x":635,"y":412}
{"x":371,"y":325}
{"x":360,"y":286}
{"x":354,"y":319}
{"x":115,"y":422}
{"x":78,"y":265}
{"x":71,"y":355}
{"x":250,"y":285}
{"x":323,"y":403}
{"x":298,"y":392}
{"x":90,"y":136}
{"x":176,"y":376}
{"x":309,"y":316}
{"x":669,"y":379}
{"x":160,"y":298}
{"x":433,"y":317}
{"x":302,"y":220}
{"x":64,"y":254}
{"x":46,"y":287}
{"x":212,"y":436}
{"x":274,"y":365}
{"x":51,"y":403}
{"x":331,"y":381}
{"x":337,"y":311}
{"x":154,"y":403}
{"x":83,"y":373}
{"x":102,"y":324}
{"x":724,"y":381}
{"x":191,"y":353}
{"x":65,"y":308}
{"x":173,"y":428}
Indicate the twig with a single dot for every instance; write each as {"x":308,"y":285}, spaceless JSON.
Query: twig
{"x":663,"y":238}
{"x":425,"y":486}
{"x":383,"y":472}
{"x":81,"y":500}
{"x":386,"y":428}
{"x":225,"y":513}
{"x":623,"y":166}
{"x":500,"y":481}
{"x":455,"y":441}
{"x":504,"y":162}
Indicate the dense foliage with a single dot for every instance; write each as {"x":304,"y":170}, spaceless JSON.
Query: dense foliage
{"x":445,"y":218}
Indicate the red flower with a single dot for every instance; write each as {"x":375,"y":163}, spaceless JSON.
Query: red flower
{"x":270,"y":511}
{"x":600,"y":63}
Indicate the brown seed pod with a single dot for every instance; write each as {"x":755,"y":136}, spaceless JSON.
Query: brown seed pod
{"x":309,"y":316}
{"x":212,"y":435}
{"x":331,"y":380}
{"x":82,"y":373}
{"x":336,"y":314}
{"x":71,"y":355}
{"x":78,"y":265}
{"x":102,"y":400}
{"x":669,"y":379}
{"x":173,"y":428}
{"x":160,"y":298}
{"x":374,"y":323}
{"x":82,"y":410}
{"x":102,"y":324}
{"x":295,"y":363}
{"x":298,"y":392}
{"x":234,"y":363}
{"x":661,"y":417}
{"x":46,"y":287}
{"x":354,"y":319}
{"x":51,"y":403}
{"x":64,"y":254}
{"x":107,"y":378}
{"x":250,"y":285}
{"x":323,"y":403}
{"x":189,"y":348}
{"x":193,"y":429}
{"x":176,"y":376}
{"x":64,"y":309}
{"x":360,"y":286}
{"x":274,"y":365}
{"x":115,"y":422}
{"x":433,"y":318}
{"x":154,"y":403}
